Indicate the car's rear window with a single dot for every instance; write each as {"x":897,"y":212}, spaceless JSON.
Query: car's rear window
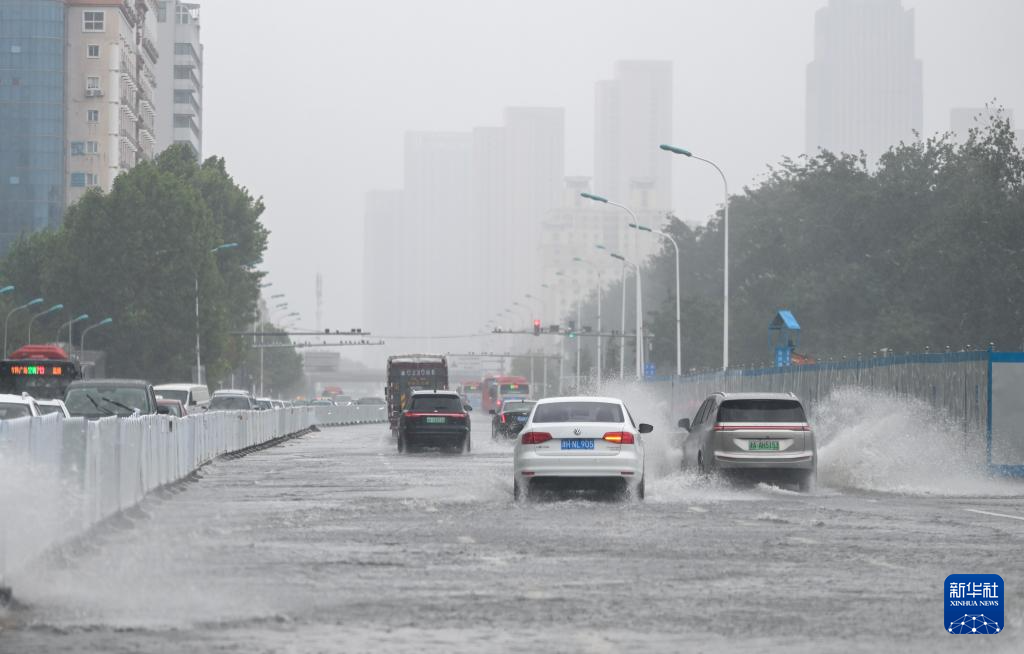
{"x":578,"y":412}
{"x":11,"y":411}
{"x":436,"y":403}
{"x":229,"y":403}
{"x":523,"y":407}
{"x":761,"y":411}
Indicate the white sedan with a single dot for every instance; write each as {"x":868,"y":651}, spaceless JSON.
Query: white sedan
{"x":580,"y":439}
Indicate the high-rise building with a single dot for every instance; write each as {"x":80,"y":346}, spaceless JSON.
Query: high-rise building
{"x":963,"y":119}
{"x":179,"y":74}
{"x":383,"y":311}
{"x":111,"y":91}
{"x":31,"y":117}
{"x":633,"y":116}
{"x":864,"y":87}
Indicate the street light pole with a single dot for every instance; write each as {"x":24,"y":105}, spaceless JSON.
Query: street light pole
{"x":10,"y":313}
{"x":53,"y":309}
{"x":69,"y":325}
{"x":199,"y":363}
{"x":639,"y":346}
{"x":725,"y":233}
{"x":679,"y":329}
{"x":600,"y":292}
{"x":81,"y":344}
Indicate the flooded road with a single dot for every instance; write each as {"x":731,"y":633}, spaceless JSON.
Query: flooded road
{"x":336,"y":543}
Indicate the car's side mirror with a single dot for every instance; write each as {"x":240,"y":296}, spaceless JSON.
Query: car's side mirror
{"x":493,"y":412}
{"x":684,"y":423}
{"x":467,"y":407}
{"x":645,"y":428}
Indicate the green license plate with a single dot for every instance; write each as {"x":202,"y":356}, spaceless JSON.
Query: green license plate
{"x":763,"y":446}
{"x":439,"y":420}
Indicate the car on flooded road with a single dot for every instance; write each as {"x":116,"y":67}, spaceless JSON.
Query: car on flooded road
{"x":434,"y":419}
{"x":510,"y":419}
{"x":580,"y":443}
{"x":761,"y":436}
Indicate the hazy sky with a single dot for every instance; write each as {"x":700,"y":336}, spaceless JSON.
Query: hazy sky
{"x":309,"y":99}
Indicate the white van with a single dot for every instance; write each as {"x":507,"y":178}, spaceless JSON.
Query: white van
{"x":195,"y":397}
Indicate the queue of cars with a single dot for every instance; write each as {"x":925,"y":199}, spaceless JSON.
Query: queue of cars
{"x":597,"y":442}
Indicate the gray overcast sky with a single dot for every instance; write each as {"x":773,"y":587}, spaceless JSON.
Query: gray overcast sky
{"x":308,"y":99}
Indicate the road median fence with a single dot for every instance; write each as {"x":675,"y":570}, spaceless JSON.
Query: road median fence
{"x":61,"y":477}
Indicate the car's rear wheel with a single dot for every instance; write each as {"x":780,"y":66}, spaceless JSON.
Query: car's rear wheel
{"x":808,"y":481}
{"x":701,"y":470}
{"x":401,"y":442}
{"x":467,"y":444}
{"x":518,"y":491}
{"x":640,"y":492}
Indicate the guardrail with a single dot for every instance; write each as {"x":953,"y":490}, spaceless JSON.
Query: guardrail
{"x":60,"y":477}
{"x":982,"y":392}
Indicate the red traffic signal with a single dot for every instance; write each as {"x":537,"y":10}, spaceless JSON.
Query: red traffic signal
{"x":536,"y":328}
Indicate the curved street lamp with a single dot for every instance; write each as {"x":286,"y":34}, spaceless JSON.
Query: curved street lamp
{"x":725,"y":264}
{"x":30,"y":303}
{"x":600,"y":289}
{"x":81,"y":343}
{"x":679,"y":330}
{"x":199,"y":363}
{"x":54,"y":309}
{"x":68,"y":324}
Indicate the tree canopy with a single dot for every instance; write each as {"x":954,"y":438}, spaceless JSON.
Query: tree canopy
{"x":136,"y":254}
{"x":923,"y":249}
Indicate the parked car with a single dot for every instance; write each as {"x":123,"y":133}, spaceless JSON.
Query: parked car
{"x":510,"y":418}
{"x":18,"y":406}
{"x":436,"y":418}
{"x":264,"y":404}
{"x":580,"y":441}
{"x":103,"y":398}
{"x":765,"y":436}
{"x":232,"y":400}
{"x":174,"y":407}
{"x":47,"y":407}
{"x":194,"y":397}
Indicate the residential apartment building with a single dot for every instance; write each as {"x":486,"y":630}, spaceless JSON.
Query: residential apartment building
{"x":633,"y":116}
{"x":179,"y":94}
{"x":864,"y":87}
{"x":32,"y":86}
{"x":111,"y":91}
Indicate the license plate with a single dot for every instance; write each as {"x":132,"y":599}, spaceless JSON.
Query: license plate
{"x":763,"y":446}
{"x":435,"y":420}
{"x":577,"y":444}
{"x":520,"y":418}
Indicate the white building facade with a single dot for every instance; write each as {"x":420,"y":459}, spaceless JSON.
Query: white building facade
{"x":180,"y":76}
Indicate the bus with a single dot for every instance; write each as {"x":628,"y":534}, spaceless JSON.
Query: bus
{"x":499,"y":388}
{"x":471,"y":394}
{"x":42,"y":371}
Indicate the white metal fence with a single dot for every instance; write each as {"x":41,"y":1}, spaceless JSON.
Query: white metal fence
{"x":59,"y":478}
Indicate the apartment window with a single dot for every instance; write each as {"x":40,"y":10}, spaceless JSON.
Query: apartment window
{"x":182,"y":97}
{"x":14,"y":180}
{"x":92,"y":147}
{"x":92,"y":180}
{"x":182,"y":15}
{"x":182,"y":72}
{"x":92,"y":21}
{"x":93,"y":52}
{"x":93,"y":115}
{"x":161,"y":11}
{"x":78,"y":180}
{"x":77,"y":148}
{"x":182,"y":121}
{"x":92,"y":83}
{"x":15,"y":49}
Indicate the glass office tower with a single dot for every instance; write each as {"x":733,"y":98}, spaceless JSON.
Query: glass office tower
{"x":32,"y":66}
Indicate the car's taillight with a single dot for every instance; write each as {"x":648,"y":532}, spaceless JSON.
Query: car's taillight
{"x":535,"y":437}
{"x":503,"y":418}
{"x":621,"y":437}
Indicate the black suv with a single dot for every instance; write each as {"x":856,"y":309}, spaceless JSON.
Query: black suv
{"x":508,"y":421}
{"x":103,"y":398}
{"x":436,"y":418}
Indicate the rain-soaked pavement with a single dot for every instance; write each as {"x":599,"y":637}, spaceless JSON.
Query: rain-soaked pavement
{"x":336,"y":543}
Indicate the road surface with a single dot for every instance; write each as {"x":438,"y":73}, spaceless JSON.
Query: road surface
{"x":336,"y":543}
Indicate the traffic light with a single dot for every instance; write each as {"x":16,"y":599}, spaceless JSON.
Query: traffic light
{"x":536,"y":327}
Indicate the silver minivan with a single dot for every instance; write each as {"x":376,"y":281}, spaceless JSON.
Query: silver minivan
{"x":765,"y":436}
{"x":195,"y":397}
